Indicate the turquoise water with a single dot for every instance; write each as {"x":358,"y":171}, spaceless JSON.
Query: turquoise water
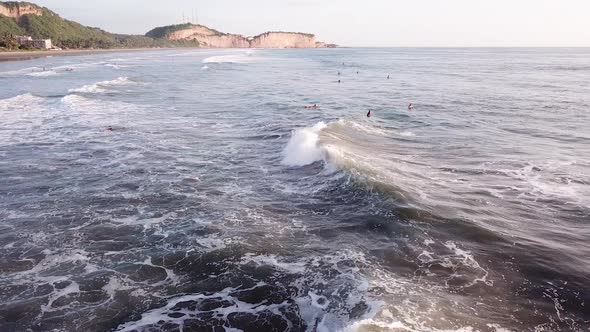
{"x":154,"y":191}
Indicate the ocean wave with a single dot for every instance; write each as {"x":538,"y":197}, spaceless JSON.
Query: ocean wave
{"x":22,"y":71}
{"x":407,"y":134}
{"x":327,"y":292}
{"x":110,"y":65}
{"x":43,"y":73}
{"x":350,"y":146}
{"x":78,"y":66}
{"x":233,"y":58}
{"x":545,"y":180}
{"x":20,"y":102}
{"x":102,"y":87}
{"x":303,"y":148}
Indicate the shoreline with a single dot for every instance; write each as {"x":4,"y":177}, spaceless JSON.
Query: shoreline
{"x":29,"y":55}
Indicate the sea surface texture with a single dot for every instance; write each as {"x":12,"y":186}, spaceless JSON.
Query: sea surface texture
{"x":190,"y":190}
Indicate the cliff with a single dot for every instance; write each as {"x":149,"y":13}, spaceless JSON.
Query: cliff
{"x":25,"y":18}
{"x":284,"y":40}
{"x":207,"y":37}
{"x":18,"y":9}
{"x":204,"y":36}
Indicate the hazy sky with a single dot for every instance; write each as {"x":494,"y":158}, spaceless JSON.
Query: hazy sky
{"x":356,"y":23}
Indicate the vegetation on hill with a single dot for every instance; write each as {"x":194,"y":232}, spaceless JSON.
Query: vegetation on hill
{"x":65,"y":33}
{"x":165,"y":31}
{"x":72,"y":35}
{"x":310,"y":35}
{"x":8,"y":26}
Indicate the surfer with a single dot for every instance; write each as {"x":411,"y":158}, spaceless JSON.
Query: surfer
{"x":387,"y":76}
{"x":410,"y":107}
{"x":314,"y":106}
{"x":339,"y":81}
{"x":369,"y":114}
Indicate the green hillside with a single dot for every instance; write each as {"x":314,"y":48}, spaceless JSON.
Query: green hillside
{"x":65,"y":33}
{"x":72,"y":35}
{"x":9,"y":25}
{"x":165,"y":31}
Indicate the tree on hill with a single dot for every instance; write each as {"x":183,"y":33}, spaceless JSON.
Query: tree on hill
{"x":9,"y":41}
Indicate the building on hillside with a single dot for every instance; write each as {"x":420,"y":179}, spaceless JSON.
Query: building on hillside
{"x":42,"y":43}
{"x":36,"y":43}
{"x":23,"y":40}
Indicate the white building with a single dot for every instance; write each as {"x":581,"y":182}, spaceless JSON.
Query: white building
{"x":36,"y":43}
{"x":42,"y":43}
{"x":23,"y":40}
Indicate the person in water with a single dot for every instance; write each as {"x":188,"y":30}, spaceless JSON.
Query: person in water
{"x":369,"y":114}
{"x":410,"y":107}
{"x":339,"y":81}
{"x":387,"y":76}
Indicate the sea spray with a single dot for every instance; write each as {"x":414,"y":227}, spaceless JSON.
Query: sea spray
{"x":303,"y":148}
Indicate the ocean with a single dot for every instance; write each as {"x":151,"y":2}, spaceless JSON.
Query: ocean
{"x":191,"y":190}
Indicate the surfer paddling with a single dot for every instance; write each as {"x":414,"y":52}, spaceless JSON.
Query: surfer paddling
{"x":314,"y":106}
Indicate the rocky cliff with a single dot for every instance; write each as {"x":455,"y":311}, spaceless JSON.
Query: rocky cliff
{"x":284,"y":40}
{"x":18,"y":9}
{"x":207,"y":37}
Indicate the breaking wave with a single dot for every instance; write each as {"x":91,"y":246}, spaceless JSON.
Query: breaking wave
{"x":20,"y":102}
{"x":43,"y":73}
{"x":303,"y":148}
{"x":102,"y":87}
{"x":232,"y":58}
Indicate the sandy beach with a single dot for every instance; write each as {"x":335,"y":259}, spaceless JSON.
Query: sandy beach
{"x":27,"y":55}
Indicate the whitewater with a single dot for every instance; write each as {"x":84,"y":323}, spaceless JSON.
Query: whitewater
{"x":193,"y":191}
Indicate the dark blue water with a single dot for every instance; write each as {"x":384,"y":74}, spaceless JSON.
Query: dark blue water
{"x":192,"y":191}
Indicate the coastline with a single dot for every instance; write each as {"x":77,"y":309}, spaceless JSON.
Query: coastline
{"x":29,"y":55}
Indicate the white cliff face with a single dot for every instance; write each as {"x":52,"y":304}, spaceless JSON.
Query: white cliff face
{"x":215,"y":39}
{"x":283,"y":40}
{"x":210,"y":38}
{"x":195,"y":30}
{"x":223,"y":41}
{"x":18,"y":10}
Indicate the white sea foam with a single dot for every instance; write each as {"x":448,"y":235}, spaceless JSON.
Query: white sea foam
{"x":102,"y":87}
{"x":78,"y":66}
{"x":363,"y":127}
{"x":539,"y":181}
{"x":22,"y":71}
{"x":205,"y":67}
{"x":43,"y":73}
{"x":303,"y":148}
{"x":407,"y":134}
{"x":232,"y":58}
{"x":110,"y":65}
{"x":21,"y":102}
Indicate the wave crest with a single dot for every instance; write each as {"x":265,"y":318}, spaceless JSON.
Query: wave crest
{"x":102,"y":87}
{"x":303,"y":148}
